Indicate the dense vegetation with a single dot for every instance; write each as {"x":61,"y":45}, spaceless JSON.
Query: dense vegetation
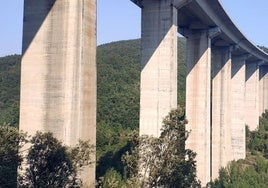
{"x":9,"y":157}
{"x":165,"y":160}
{"x":9,"y":89}
{"x":118,"y":66}
{"x":119,"y":78}
{"x":252,"y":171}
{"x":49,"y":162}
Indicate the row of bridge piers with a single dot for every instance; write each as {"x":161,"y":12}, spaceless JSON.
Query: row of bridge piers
{"x":224,"y":90}
{"x":226,"y":86}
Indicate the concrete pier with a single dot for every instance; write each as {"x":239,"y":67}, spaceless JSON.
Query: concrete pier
{"x":58,"y":76}
{"x":216,"y":126}
{"x":158,"y":90}
{"x":221,"y":105}
{"x":263,"y":89}
{"x":198,"y":100}
{"x":252,"y":95}
{"x":238,"y":134}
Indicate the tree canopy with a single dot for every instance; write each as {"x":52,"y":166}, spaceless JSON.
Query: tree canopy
{"x":11,"y":141}
{"x":158,"y":162}
{"x":45,"y":160}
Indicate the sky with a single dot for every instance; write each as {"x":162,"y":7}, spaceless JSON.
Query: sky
{"x":120,"y":20}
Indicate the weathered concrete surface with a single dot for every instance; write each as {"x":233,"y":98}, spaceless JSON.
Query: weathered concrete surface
{"x":198,"y":100}
{"x":199,"y":16}
{"x":263,"y":93}
{"x":252,"y":95}
{"x":158,"y":90}
{"x":58,"y":76}
{"x":265,"y":87}
{"x":261,"y":72}
{"x":221,"y":105}
{"x":238,"y":133}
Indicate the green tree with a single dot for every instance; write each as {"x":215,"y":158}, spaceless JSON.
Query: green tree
{"x":9,"y":89}
{"x":243,"y":174}
{"x":50,"y":164}
{"x":163,"y":161}
{"x":112,"y":143}
{"x":257,"y":140}
{"x":111,"y":179}
{"x":10,"y":143}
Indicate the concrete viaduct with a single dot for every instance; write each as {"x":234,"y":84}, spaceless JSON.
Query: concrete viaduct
{"x":226,"y":84}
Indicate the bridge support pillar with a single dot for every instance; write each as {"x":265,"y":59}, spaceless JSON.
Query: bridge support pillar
{"x":252,"y":95}
{"x":198,"y":80}
{"x":221,"y":105}
{"x":263,"y":84}
{"x":158,"y":64}
{"x":58,"y":77}
{"x":238,"y":134}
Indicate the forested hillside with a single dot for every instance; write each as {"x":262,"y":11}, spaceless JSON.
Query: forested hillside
{"x":118,"y":81}
{"x":9,"y":89}
{"x":118,"y":66}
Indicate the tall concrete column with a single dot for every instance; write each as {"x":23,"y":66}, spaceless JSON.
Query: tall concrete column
{"x":198,"y":100}
{"x":58,"y":77}
{"x":221,"y":109}
{"x":263,"y":86}
{"x":252,"y":95}
{"x":261,"y":72}
{"x":158,"y":64}
{"x":238,"y":134}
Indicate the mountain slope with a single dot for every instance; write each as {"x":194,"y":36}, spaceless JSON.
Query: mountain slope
{"x":118,"y":70}
{"x":119,"y":81}
{"x":9,"y":89}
